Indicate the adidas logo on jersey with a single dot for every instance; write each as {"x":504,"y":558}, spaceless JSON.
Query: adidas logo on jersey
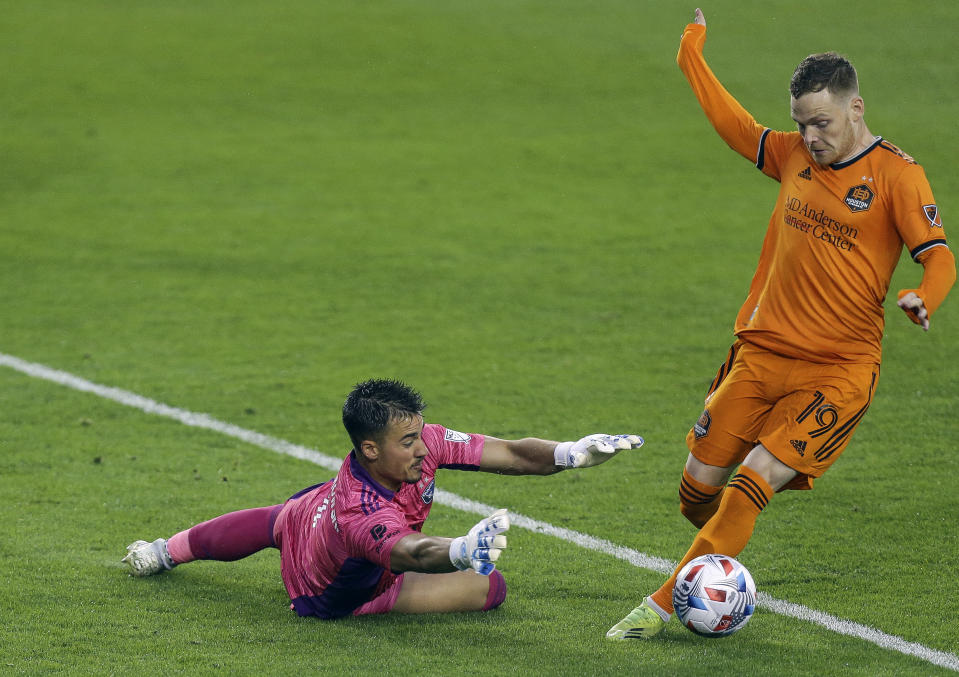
{"x":806,"y":174}
{"x":799,"y":445}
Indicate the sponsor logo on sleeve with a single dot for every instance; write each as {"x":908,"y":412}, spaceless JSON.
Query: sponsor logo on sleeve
{"x":859,"y":198}
{"x":453,"y":436}
{"x":382,"y":540}
{"x":932,"y":213}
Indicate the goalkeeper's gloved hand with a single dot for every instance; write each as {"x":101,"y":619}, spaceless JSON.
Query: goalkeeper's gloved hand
{"x":593,"y":449}
{"x":480,"y":548}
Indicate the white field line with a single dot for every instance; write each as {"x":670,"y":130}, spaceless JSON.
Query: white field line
{"x":634,"y":557}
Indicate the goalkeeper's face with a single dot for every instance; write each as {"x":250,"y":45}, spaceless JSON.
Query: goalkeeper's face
{"x":398,"y":456}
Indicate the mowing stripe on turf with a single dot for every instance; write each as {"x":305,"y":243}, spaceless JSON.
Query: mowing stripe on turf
{"x":634,"y":557}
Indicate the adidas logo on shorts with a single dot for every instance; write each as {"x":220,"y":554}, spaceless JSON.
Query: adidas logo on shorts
{"x":799,"y":445}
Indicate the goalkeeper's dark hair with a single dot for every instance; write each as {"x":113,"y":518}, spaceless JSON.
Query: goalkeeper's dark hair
{"x":373,"y":404}
{"x":827,"y":70}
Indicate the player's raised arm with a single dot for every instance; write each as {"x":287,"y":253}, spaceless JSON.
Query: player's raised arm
{"x":531,"y":456}
{"x":733,"y":122}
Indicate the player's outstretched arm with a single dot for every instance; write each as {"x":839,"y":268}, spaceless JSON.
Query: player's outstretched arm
{"x":533,"y":456}
{"x":478,"y":550}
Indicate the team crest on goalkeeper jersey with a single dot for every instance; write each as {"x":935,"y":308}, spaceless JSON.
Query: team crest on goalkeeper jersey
{"x":932,"y":213}
{"x":453,"y":436}
{"x":427,"y":494}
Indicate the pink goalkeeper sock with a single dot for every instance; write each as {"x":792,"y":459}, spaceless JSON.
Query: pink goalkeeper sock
{"x":178,"y":546}
{"x":497,"y":590}
{"x":226,"y":538}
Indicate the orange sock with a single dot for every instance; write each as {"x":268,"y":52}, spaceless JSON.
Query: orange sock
{"x":698,"y":501}
{"x":728,"y":531}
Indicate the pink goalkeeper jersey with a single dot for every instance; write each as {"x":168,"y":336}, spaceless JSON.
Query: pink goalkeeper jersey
{"x":335,"y":538}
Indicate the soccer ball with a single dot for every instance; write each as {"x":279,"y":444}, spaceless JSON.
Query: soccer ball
{"x":714,"y":595}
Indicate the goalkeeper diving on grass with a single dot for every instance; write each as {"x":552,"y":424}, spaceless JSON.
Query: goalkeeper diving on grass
{"x":353,"y":545}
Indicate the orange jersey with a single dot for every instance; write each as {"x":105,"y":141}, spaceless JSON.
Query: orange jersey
{"x":834,"y":237}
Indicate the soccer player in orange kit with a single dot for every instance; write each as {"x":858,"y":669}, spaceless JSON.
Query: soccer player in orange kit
{"x":805,"y":364}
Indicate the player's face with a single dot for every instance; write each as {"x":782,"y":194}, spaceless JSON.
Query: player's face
{"x":401,"y":453}
{"x":829,"y":125}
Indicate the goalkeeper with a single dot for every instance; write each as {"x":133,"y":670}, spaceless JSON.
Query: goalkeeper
{"x":353,"y":545}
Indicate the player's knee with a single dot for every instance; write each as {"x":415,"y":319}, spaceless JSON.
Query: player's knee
{"x":694,"y":513}
{"x":497,"y":590}
{"x":698,"y":500}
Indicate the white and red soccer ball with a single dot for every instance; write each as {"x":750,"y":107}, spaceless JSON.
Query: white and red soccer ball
{"x":714,"y":595}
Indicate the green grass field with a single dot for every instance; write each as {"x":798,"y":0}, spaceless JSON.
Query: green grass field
{"x":244,"y":208}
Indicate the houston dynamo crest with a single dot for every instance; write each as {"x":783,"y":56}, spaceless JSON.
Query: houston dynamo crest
{"x":859,"y":198}
{"x":701,"y":429}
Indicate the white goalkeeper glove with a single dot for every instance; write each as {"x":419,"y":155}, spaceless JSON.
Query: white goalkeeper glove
{"x":480,"y":548}
{"x":593,"y":449}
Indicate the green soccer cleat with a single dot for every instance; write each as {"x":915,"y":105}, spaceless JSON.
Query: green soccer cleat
{"x":642,"y":622}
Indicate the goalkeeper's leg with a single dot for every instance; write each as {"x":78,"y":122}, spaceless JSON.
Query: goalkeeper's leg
{"x":226,"y":538}
{"x":442,"y":593}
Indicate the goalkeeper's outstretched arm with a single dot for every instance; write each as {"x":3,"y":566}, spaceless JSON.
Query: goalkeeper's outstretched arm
{"x":532,"y":456}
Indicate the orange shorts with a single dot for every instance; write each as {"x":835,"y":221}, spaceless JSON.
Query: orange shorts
{"x":804,"y":413}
